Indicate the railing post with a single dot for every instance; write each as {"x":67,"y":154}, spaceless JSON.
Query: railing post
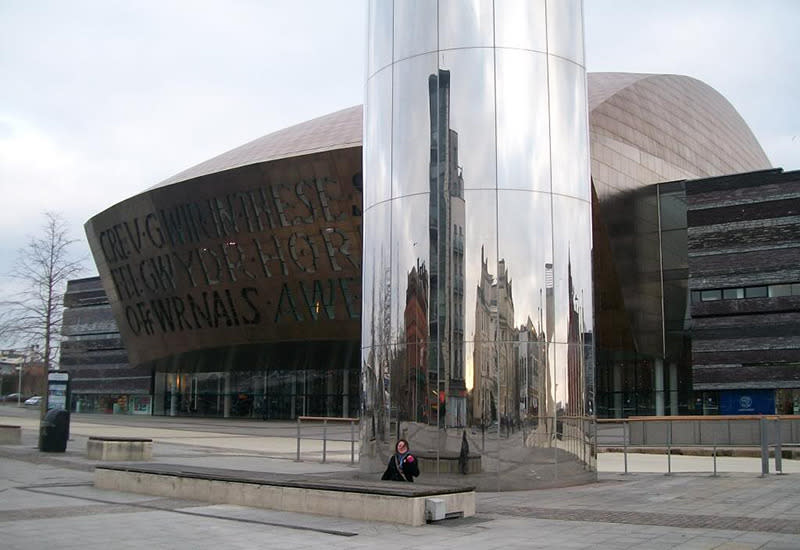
{"x":715,"y":451}
{"x":298,"y":440}
{"x":625,"y":443}
{"x":778,"y":450}
{"x":764,"y":447}
{"x":669,"y":450}
{"x":555,"y":444}
{"x":352,"y":443}
{"x":324,"y":439}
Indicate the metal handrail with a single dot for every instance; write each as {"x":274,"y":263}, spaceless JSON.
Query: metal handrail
{"x":325,"y":420}
{"x":767,"y":423}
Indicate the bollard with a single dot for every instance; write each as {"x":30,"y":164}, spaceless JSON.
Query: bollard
{"x":298,"y":440}
{"x":778,"y":450}
{"x":764,"y":447}
{"x":625,"y":443}
{"x":669,"y":450}
{"x":324,"y":439}
{"x":714,"y":453}
{"x":555,"y":444}
{"x":715,"y":459}
{"x":352,"y":443}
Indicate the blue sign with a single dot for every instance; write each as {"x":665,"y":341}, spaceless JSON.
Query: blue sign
{"x":747,"y":402}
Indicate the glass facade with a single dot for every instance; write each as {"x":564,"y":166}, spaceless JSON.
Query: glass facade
{"x":477,"y":315}
{"x":260,"y":394}
{"x":643,"y":346}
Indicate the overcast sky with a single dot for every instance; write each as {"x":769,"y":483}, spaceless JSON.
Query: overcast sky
{"x":102,"y":99}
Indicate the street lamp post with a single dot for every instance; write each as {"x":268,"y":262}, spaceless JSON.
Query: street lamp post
{"x":19,"y":385}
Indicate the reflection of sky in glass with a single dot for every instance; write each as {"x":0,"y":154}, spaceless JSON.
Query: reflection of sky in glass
{"x":378,"y":139}
{"x":379,"y":50}
{"x":472,"y":113}
{"x":523,"y":144}
{"x":526,"y":248}
{"x":411,"y":125}
{"x":414,"y":27}
{"x":569,"y":138}
{"x":520,"y":24}
{"x":465,"y":24}
{"x":565,"y":29}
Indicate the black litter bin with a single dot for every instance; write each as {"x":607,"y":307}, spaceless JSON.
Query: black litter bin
{"x":54,"y":431}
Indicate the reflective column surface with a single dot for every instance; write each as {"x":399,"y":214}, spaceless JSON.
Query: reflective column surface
{"x":477,"y":290}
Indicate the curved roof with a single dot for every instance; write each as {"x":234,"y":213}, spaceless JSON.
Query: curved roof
{"x":644,"y":128}
{"x":648,"y":128}
{"x":338,"y":130}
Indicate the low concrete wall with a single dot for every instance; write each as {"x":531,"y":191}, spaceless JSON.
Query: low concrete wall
{"x":710,"y":431}
{"x":336,"y":503}
{"x":119,"y":449}
{"x":10,"y":435}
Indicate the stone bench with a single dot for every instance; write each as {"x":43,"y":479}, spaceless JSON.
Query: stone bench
{"x":389,"y":501}
{"x":10,"y":435}
{"x":119,"y":448}
{"x":449,"y":463}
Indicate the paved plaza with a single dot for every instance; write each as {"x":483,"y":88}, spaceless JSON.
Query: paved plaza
{"x":48,"y":500}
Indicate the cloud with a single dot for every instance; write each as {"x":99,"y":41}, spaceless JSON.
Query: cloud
{"x":101,"y":100}
{"x":734,"y":46}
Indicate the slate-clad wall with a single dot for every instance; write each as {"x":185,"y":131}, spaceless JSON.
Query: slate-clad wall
{"x":92,"y":350}
{"x":744,"y":231}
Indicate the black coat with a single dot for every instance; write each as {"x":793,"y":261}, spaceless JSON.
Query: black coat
{"x":409,"y":469}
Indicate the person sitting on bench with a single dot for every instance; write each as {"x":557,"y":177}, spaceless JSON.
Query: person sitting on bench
{"x":402,"y":464}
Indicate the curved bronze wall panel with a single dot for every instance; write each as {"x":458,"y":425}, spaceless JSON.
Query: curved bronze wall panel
{"x":265,"y":253}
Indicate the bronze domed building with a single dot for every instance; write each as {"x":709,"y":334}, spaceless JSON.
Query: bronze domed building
{"x":235,"y":285}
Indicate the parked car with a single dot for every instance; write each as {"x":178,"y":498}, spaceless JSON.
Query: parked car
{"x":34,"y":401}
{"x":12,"y":398}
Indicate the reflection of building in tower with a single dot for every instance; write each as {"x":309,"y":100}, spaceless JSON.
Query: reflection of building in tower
{"x":484,"y":386}
{"x":588,"y":373}
{"x":575,"y":354}
{"x":506,"y":337}
{"x":446,"y":227}
{"x":410,"y":390}
{"x":376,"y":381}
{"x":546,"y":389}
{"x":495,"y":389}
{"x":531,"y":362}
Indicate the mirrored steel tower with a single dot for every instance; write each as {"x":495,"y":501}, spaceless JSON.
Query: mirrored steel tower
{"x":477,"y":289}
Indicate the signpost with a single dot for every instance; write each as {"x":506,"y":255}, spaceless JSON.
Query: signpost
{"x":58,"y":390}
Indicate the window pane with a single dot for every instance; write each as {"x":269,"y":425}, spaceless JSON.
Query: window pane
{"x":795,"y":289}
{"x":710,"y":295}
{"x":755,"y":292}
{"x":733,"y":293}
{"x":780,"y":290}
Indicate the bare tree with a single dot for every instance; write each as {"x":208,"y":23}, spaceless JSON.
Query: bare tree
{"x":43,"y":268}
